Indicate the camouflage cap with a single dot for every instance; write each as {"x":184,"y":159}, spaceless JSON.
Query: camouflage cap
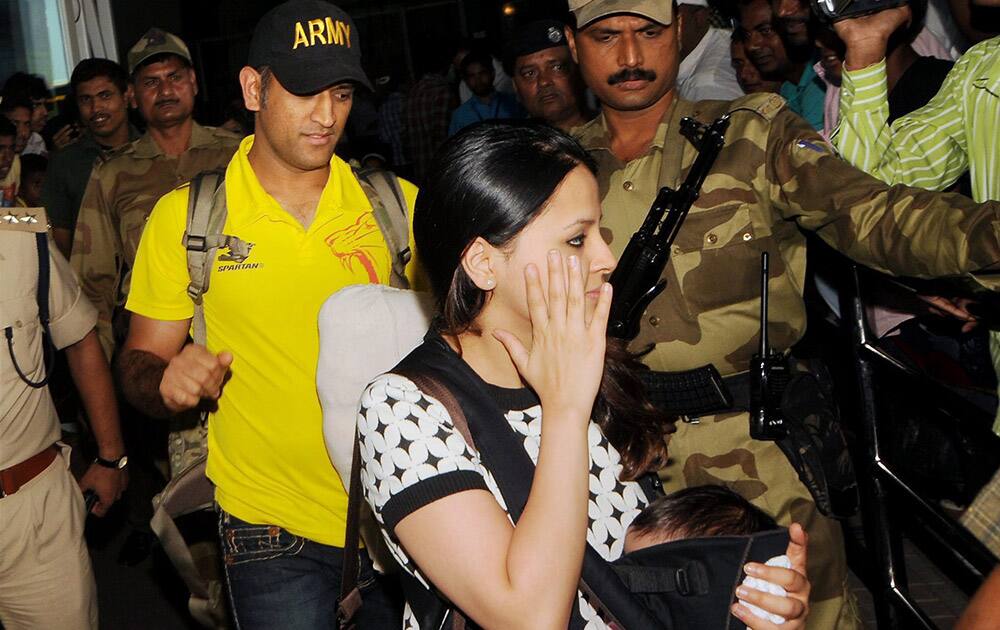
{"x":156,"y":41}
{"x":588,"y":11}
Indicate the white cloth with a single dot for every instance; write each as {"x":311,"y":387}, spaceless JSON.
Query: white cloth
{"x":768,"y":587}
{"x":36,"y":145}
{"x":940,"y":23}
{"x":364,"y":330}
{"x":707,"y":72}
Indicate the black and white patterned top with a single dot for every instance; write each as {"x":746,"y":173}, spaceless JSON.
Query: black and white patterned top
{"x":412,"y":455}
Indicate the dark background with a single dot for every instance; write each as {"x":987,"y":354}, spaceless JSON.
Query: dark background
{"x":394,"y":34}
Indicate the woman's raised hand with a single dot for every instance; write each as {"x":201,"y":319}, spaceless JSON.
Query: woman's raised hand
{"x":794,"y":606}
{"x":566,"y":360}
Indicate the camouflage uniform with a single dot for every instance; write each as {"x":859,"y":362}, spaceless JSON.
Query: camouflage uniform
{"x":122,"y":191}
{"x":774,"y":176}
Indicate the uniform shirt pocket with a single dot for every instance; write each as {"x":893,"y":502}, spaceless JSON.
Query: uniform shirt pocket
{"x":716,"y":257}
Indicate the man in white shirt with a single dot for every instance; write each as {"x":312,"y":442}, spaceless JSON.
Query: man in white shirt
{"x":706,"y":69}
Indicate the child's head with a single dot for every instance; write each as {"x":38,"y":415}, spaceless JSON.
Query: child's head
{"x":696,"y":512}
{"x":32,"y":177}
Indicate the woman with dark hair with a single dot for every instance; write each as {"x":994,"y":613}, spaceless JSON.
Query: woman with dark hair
{"x":507,"y":225}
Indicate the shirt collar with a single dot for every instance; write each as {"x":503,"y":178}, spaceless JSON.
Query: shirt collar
{"x":256,"y":203}
{"x":146,"y":147}
{"x":594,"y":135}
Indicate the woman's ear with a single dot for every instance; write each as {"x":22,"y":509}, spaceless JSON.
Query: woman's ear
{"x":479,"y":263}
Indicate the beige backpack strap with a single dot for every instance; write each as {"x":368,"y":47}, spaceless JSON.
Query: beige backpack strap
{"x":203,"y":211}
{"x":189,"y":491}
{"x":206,"y":218}
{"x":391,"y":214}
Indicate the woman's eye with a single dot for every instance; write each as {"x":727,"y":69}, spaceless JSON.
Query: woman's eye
{"x":576,"y":241}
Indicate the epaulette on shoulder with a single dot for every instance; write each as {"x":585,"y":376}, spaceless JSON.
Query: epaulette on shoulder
{"x":23,"y":220}
{"x":225,"y":134}
{"x":764,"y":104}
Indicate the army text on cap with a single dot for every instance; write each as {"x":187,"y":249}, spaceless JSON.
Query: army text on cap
{"x":324,"y":30}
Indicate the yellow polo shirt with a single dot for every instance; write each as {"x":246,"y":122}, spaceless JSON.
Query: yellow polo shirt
{"x":266,"y":454}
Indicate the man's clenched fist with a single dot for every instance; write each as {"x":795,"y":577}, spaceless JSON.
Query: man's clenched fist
{"x":193,"y":374}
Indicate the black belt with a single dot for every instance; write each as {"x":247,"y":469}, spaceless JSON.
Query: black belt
{"x":698,"y":392}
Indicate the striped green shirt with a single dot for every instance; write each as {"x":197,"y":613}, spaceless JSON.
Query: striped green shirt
{"x":931,"y":147}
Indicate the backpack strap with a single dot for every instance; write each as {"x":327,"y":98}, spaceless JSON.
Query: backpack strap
{"x":350,"y":595}
{"x":390,"y":211}
{"x":202,"y":212}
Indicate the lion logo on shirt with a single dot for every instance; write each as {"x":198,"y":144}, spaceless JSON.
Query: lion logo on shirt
{"x":353,"y":246}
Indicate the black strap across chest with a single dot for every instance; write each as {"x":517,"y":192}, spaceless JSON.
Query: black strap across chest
{"x":504,"y":455}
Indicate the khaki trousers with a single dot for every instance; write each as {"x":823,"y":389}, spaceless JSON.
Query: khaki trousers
{"x":46,"y":580}
{"x":719,"y":451}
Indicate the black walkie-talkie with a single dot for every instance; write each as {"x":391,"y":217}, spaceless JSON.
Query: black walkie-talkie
{"x":769,"y":375}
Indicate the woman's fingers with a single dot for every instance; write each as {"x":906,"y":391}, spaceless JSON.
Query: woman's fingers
{"x":792,"y":581}
{"x":787,"y":607}
{"x":575,"y":299}
{"x":598,"y":323}
{"x":798,"y":547}
{"x":557,"y":288}
{"x":518,"y":353}
{"x":538,"y":310}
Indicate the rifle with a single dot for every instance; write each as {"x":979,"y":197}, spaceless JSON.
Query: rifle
{"x":636,"y":279}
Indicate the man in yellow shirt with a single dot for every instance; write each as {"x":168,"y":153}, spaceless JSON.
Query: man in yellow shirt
{"x":310,"y":230}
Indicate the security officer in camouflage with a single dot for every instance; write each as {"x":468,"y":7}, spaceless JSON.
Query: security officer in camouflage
{"x":774,"y":177}
{"x":125,"y":186}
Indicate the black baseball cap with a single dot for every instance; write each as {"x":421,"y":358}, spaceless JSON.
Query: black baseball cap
{"x":309,"y":46}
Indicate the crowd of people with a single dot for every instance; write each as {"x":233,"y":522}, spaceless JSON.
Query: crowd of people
{"x":184,"y":270}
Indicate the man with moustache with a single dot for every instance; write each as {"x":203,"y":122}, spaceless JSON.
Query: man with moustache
{"x":313,"y":229}
{"x":545,"y":77}
{"x":793,"y":18}
{"x":804,"y":91}
{"x":774,"y":177}
{"x":122,"y":189}
{"x":101,"y":90}
{"x":120,"y":194}
{"x":747,"y":74}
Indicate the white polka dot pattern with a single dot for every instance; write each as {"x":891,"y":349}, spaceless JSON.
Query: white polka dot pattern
{"x":407,"y":437}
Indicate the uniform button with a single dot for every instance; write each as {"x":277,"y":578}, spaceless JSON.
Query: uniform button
{"x":747,"y":236}
{"x":676,"y":249}
{"x":712,"y":238}
{"x":18,"y":324}
{"x":654,"y":321}
{"x":628,"y":185}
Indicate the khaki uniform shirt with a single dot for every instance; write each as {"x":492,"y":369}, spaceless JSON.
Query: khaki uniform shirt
{"x":774,"y":177}
{"x":120,"y":195}
{"x":28,"y":421}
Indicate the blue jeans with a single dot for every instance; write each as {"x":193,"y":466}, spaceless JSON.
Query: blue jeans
{"x":279,"y":580}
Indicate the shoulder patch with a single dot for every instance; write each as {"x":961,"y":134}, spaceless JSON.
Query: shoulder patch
{"x":23,"y":220}
{"x":764,"y":104}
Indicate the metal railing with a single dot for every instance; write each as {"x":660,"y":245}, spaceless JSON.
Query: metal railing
{"x":883,"y":484}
